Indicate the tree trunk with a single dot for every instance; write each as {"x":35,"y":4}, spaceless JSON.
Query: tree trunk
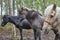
{"x":44,"y":4}
{"x":32,"y":4}
{"x":11,"y":13}
{"x":13,"y":7}
{"x":10,"y":7}
{"x":14,"y":14}
{"x":6,"y":7}
{"x":1,"y":10}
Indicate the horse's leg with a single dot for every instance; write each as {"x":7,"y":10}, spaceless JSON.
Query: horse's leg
{"x":21,"y":34}
{"x":55,"y":30}
{"x":39,"y":35}
{"x":56,"y":37}
{"x":34,"y":34}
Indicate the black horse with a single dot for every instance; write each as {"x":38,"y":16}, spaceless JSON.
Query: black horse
{"x":19,"y":22}
{"x":33,"y":20}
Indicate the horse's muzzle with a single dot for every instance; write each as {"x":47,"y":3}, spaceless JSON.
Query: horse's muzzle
{"x":2,"y":24}
{"x":46,"y":31}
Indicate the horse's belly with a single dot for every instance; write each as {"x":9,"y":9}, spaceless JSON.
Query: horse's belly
{"x":26,"y":27}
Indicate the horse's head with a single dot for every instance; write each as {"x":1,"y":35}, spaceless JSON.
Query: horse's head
{"x":50,"y":18}
{"x":23,"y":12}
{"x":4,"y":20}
{"x":32,"y":14}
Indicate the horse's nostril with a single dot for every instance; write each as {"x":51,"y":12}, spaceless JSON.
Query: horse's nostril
{"x":51,"y":16}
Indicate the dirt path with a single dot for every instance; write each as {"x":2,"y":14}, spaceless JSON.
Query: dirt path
{"x":27,"y":35}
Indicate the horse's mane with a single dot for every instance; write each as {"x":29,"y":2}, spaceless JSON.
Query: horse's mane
{"x":28,"y":9}
{"x":5,"y":16}
{"x":32,"y":14}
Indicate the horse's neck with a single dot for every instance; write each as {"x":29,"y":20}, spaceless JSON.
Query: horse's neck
{"x":41,"y":19}
{"x":16,"y":21}
{"x":12,"y":21}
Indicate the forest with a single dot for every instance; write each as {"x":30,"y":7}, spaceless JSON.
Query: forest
{"x":10,"y":7}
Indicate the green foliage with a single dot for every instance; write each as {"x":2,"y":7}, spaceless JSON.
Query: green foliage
{"x":38,"y":4}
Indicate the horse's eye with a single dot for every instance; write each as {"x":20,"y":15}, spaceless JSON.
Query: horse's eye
{"x":51,"y":12}
{"x":51,"y":16}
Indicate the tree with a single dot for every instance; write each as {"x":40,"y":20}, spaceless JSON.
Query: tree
{"x":10,"y":7}
{"x":6,"y":7}
{"x":1,"y":11}
{"x":11,"y":13}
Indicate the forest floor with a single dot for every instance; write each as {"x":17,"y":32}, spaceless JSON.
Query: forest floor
{"x":27,"y":35}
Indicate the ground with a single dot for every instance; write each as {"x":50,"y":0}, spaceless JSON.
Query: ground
{"x":27,"y":35}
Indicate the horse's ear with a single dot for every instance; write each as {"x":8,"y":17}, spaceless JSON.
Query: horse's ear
{"x":33,"y":10}
{"x":54,"y":7}
{"x":6,"y":15}
{"x":26,"y":9}
{"x":20,"y":9}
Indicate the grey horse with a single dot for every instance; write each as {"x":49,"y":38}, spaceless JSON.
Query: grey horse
{"x":36,"y":20}
{"x":52,"y":20}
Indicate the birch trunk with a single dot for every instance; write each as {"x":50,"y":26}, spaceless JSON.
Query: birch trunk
{"x":11,"y":12}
